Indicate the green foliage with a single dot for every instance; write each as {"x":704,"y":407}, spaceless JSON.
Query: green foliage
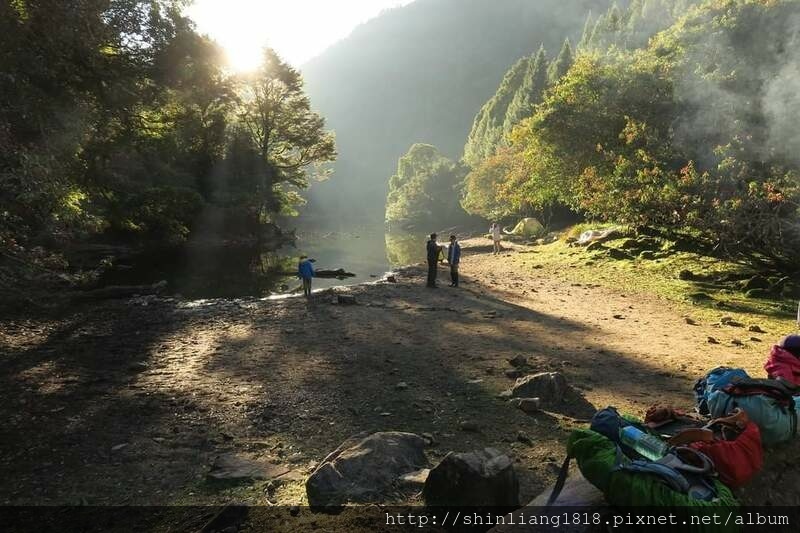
{"x":162,"y":214}
{"x":118,"y":116}
{"x":420,"y":73}
{"x":286,"y":135}
{"x":666,"y":137}
{"x":561,"y":64}
{"x":425,"y":188}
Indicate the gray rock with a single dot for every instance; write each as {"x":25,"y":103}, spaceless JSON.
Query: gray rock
{"x":758,"y":293}
{"x":518,"y":361}
{"x":233,"y":467}
{"x":483,"y":478}
{"x":528,"y":405}
{"x":469,"y":425}
{"x":549,"y":387}
{"x":364,"y":468}
{"x":346,"y":299}
{"x":729,"y":321}
{"x":617,"y":254}
{"x":414,"y":479}
{"x":756,"y":282}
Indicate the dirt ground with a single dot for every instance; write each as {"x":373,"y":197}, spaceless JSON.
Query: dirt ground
{"x":129,"y":402}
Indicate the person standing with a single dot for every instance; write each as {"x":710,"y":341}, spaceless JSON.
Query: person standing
{"x":433,"y":250}
{"x":497,"y":236}
{"x":305,"y":271}
{"x":454,"y":258}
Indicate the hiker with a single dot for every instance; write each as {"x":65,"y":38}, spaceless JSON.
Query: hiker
{"x":784,"y":360}
{"x":497,"y":236}
{"x":433,"y":250}
{"x":305,"y":271}
{"x":453,"y":259}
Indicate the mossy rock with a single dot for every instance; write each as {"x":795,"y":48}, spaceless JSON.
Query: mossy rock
{"x":686,"y":275}
{"x":790,"y":289}
{"x":618,"y":255}
{"x":777,"y":283}
{"x":647,"y":255}
{"x":648,"y":243}
{"x":756,"y":282}
{"x":759,"y":293}
{"x":700,"y":297}
{"x":630,"y":244}
{"x":597,"y":245}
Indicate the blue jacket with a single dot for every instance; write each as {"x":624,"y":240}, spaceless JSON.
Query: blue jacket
{"x":305,"y":269}
{"x":454,"y":254}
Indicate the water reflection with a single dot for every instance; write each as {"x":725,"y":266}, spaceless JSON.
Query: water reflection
{"x":195,"y":271}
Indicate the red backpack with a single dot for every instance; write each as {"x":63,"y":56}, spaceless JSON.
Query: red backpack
{"x":732,"y":443}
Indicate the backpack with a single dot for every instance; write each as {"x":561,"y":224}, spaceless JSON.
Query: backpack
{"x":732,"y":443}
{"x":714,"y":380}
{"x":685,"y":477}
{"x":769,"y":403}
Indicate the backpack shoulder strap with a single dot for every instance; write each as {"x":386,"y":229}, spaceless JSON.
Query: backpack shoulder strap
{"x":560,"y":480}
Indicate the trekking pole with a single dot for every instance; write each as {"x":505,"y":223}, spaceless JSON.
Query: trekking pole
{"x":798,"y":315}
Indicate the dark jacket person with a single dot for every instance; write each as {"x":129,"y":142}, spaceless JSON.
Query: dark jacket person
{"x":433,"y":249}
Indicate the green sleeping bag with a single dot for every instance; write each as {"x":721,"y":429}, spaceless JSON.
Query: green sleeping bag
{"x":596,"y":457}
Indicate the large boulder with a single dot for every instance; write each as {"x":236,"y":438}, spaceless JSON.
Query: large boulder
{"x":549,"y":387}
{"x":481,"y":479}
{"x":364,"y":468}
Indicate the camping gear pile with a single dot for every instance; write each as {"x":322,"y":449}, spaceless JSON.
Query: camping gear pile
{"x":674,"y":459}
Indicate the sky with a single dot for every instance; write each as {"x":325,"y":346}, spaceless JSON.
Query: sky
{"x":297,"y":29}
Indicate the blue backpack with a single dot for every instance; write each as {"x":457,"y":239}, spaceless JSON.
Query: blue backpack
{"x":715,"y":380}
{"x":770,"y":403}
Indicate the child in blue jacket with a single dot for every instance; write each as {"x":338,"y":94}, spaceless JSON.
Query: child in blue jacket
{"x":305,"y":271}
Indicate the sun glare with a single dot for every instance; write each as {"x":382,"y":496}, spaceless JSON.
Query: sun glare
{"x":245,"y":57}
{"x":297,"y":29}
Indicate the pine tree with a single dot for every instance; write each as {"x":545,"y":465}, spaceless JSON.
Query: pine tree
{"x":586,"y":36}
{"x":530,"y":92}
{"x":562,"y":63}
{"x":487,"y":129}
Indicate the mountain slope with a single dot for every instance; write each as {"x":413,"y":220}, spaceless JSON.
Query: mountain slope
{"x":419,"y":73}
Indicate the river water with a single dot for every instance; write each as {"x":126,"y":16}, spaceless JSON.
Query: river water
{"x":196,"y":271}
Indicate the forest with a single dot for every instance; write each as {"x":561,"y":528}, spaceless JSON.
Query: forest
{"x":659,"y":117}
{"x":120,"y":123}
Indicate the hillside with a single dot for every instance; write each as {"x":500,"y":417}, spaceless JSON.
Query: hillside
{"x":419,"y":73}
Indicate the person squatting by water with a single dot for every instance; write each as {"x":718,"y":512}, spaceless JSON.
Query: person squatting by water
{"x":497,"y":236}
{"x":305,"y":271}
{"x":433,"y":250}
{"x":454,"y":258}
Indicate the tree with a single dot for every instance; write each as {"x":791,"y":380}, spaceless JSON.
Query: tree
{"x":561,"y":64}
{"x":530,"y":92}
{"x":425,"y":188}
{"x":289,"y":137}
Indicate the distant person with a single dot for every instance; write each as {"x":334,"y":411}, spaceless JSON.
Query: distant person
{"x":305,"y":271}
{"x":433,"y":250}
{"x":454,"y":258}
{"x":497,"y":236}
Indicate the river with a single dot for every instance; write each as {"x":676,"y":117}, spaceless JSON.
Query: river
{"x":196,"y":271}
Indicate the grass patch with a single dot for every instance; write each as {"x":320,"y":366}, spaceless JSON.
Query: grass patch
{"x":702,"y":286}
